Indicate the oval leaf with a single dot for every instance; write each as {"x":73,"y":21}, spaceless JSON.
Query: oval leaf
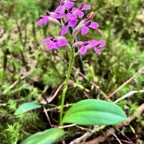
{"x":94,"y":112}
{"x":47,"y":137}
{"x":27,"y":107}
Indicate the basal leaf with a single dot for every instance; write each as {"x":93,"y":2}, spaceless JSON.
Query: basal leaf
{"x":49,"y":136}
{"x":94,"y":112}
{"x":27,"y":107}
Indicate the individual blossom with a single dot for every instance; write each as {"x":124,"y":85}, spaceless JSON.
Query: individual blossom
{"x":66,"y":25}
{"x":51,"y":16}
{"x":70,"y":15}
{"x":55,"y":43}
{"x":64,"y":4}
{"x":84,"y":26}
{"x":79,"y":11}
{"x":86,"y":45}
{"x":67,"y":15}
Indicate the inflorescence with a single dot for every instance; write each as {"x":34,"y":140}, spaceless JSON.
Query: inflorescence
{"x":66,"y":15}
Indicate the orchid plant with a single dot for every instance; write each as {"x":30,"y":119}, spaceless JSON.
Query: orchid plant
{"x":85,"y":112}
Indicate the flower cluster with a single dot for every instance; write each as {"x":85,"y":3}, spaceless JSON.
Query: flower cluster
{"x":66,"y":15}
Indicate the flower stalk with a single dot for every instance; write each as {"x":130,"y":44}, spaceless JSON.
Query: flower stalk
{"x":66,"y":83}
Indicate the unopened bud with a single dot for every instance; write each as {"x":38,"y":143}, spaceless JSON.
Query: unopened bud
{"x":90,"y":16}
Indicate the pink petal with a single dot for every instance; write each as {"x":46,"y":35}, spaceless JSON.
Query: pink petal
{"x":62,"y":42}
{"x":84,"y":30}
{"x":97,"y":51}
{"x":50,"y":46}
{"x":78,"y":43}
{"x":69,"y":4}
{"x":78,"y":28}
{"x":43,"y":20}
{"x":93,"y":43}
{"x":71,"y":16}
{"x":52,"y":14}
{"x":80,"y":14}
{"x":73,"y":22}
{"x":59,"y":9}
{"x":80,"y":6}
{"x":83,"y":50}
{"x":60,"y":37}
{"x":64,"y":30}
{"x":86,"y":7}
{"x":102,"y":43}
{"x":39,"y":22}
{"x":46,"y":41}
{"x":94,"y":25}
{"x":57,"y":16}
{"x":74,"y":9}
{"x":55,"y":21}
{"x":57,"y":46}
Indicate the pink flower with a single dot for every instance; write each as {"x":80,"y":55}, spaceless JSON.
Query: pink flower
{"x":79,"y":11}
{"x":45,"y":19}
{"x":55,"y":43}
{"x":66,"y":25}
{"x":86,"y":45}
{"x":64,"y":4}
{"x":84,"y":26}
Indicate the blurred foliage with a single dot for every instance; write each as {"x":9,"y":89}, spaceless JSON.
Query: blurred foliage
{"x":28,"y":72}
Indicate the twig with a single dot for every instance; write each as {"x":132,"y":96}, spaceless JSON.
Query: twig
{"x":47,"y":116}
{"x":15,"y":83}
{"x":56,"y":108}
{"x":128,"y":81}
{"x":117,"y":138}
{"x":86,"y":135}
{"x":50,"y":99}
{"x":128,"y":95}
{"x":67,"y":126}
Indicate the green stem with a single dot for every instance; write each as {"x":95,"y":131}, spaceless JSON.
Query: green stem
{"x":66,"y":83}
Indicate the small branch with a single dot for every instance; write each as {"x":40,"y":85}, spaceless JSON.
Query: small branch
{"x":56,"y":108}
{"x":47,"y":116}
{"x":128,"y":95}
{"x":140,"y":71}
{"x":51,"y":98}
{"x":15,"y":83}
{"x":67,"y":126}
{"x":117,"y":138}
{"x":86,"y":135}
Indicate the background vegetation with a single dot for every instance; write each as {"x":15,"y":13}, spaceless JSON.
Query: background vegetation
{"x":28,"y":72}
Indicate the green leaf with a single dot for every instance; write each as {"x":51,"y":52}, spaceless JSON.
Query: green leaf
{"x":27,"y":107}
{"x":94,"y":112}
{"x":47,"y":137}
